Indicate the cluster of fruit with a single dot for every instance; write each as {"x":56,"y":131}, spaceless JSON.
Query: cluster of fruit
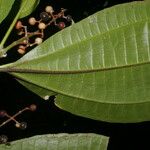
{"x":20,"y":125}
{"x":47,"y":18}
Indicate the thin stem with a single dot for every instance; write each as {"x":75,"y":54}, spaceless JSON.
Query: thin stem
{"x":11,"y":118}
{"x":15,"y":43}
{"x":14,"y":116}
{"x":9,"y":30}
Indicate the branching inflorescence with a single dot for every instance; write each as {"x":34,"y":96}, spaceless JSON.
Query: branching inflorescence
{"x":47,"y":18}
{"x":20,"y":125}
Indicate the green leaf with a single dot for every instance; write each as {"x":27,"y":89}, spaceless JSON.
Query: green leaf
{"x":60,"y":142}
{"x":101,"y":63}
{"x":106,"y":112}
{"x":5,"y":7}
{"x":27,"y":7}
{"x":43,"y":93}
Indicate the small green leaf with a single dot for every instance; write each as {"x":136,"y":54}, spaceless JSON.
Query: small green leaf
{"x":60,"y":142}
{"x":5,"y":7}
{"x":27,"y":7}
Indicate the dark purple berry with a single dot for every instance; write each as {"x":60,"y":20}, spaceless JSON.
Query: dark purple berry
{"x":69,"y":18}
{"x":2,"y":113}
{"x":61,"y":25}
{"x":23,"y":125}
{"x":44,"y":16}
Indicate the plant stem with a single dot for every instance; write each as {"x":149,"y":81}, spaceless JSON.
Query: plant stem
{"x":13,"y":117}
{"x":15,"y":43}
{"x":9,"y":30}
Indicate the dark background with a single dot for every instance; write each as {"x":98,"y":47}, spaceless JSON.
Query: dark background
{"x":50,"y":119}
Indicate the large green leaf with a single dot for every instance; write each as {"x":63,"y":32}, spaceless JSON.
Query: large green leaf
{"x":100,"y":64}
{"x":60,"y":142}
{"x":5,"y":7}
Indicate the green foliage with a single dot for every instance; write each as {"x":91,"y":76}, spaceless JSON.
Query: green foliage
{"x":27,"y":6}
{"x":43,"y":93}
{"x":50,"y":142}
{"x":5,"y":7}
{"x":98,"y":67}
{"x":60,"y":142}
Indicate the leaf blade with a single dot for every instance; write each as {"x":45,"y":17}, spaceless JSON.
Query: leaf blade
{"x":72,"y":40}
{"x":5,"y":7}
{"x":43,"y":93}
{"x":124,"y":113}
{"x":126,"y":97}
{"x":27,"y":7}
{"x":61,"y":142}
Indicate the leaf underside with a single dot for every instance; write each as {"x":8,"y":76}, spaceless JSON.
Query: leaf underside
{"x":60,"y":142}
{"x":43,"y":93}
{"x":99,"y":67}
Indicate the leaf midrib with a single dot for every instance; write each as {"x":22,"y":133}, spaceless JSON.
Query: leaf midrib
{"x":78,"y":71}
{"x":18,"y":70}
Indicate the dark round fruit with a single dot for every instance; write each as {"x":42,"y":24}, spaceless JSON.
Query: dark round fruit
{"x":23,"y":125}
{"x":61,"y":25}
{"x":69,"y":18}
{"x":2,"y":113}
{"x":44,"y":16}
{"x":32,"y":107}
{"x":3,"y":139}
